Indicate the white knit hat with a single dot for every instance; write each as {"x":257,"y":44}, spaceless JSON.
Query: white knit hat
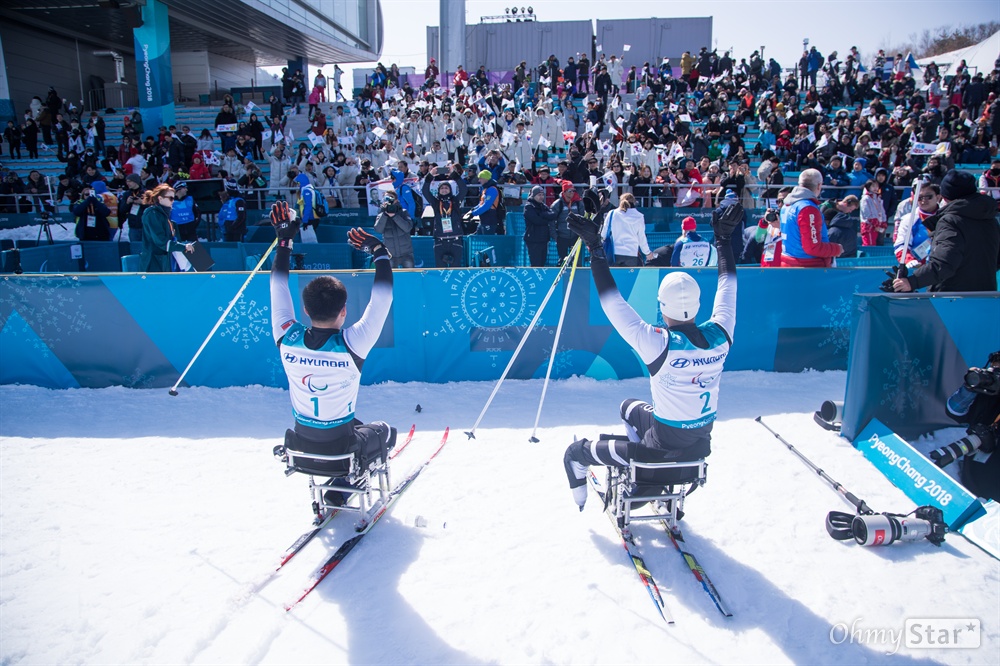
{"x":679,"y":296}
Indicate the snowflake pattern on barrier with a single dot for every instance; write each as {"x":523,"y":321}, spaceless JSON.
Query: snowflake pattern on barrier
{"x":21,"y":330}
{"x":247,"y":323}
{"x":562,"y":366}
{"x":839,"y":324}
{"x":50,"y":307}
{"x":138,"y":380}
{"x":906,"y":385}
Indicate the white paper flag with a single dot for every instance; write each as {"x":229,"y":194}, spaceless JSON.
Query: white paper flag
{"x":923,"y":148}
{"x":684,"y":118}
{"x":822,"y":141}
{"x":866,"y":112}
{"x":599,"y":48}
{"x":313,"y":139}
{"x":265,"y":135}
{"x":230,"y":127}
{"x":812,"y":137}
{"x":627,"y":48}
{"x":875,"y":145}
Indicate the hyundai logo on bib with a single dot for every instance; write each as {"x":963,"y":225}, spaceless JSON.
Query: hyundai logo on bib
{"x":680,"y":363}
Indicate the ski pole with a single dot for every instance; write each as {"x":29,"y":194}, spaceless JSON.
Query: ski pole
{"x":555,"y":345}
{"x":263,"y":258}
{"x":858,"y":504}
{"x":915,"y":215}
{"x":531,"y":326}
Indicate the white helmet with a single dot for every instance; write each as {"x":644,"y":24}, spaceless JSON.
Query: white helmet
{"x":679,"y":296}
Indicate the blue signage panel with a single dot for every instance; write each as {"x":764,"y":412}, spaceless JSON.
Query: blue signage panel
{"x":920,"y":479}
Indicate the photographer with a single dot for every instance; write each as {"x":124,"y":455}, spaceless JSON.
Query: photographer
{"x":762,"y":243}
{"x":395,"y":225}
{"x":91,"y":217}
{"x":977,"y":403}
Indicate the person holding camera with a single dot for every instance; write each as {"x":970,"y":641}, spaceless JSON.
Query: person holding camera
{"x":395,"y":225}
{"x":976,"y":403}
{"x":92,"y":216}
{"x":965,"y":251}
{"x":447,"y":226}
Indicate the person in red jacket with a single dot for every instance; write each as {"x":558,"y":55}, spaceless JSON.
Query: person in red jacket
{"x":461,"y":79}
{"x":804,"y":242}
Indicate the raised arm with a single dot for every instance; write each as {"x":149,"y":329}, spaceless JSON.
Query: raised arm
{"x":645,"y":339}
{"x":724,"y":309}
{"x":362,"y":335}
{"x":282,"y":310}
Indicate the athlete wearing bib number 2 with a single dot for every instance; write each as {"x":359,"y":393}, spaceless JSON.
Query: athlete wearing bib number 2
{"x":323,"y":362}
{"x":684,"y":360}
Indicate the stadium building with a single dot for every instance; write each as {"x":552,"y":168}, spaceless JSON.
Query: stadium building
{"x":153,"y":53}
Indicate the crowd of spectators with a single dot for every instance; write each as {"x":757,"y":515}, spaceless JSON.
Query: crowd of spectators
{"x":667,"y":134}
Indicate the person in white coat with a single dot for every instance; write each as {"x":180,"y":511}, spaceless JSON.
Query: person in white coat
{"x":557,"y":125}
{"x":616,"y":68}
{"x":627,"y":228}
{"x":279,"y":169}
{"x":519,"y":149}
{"x":539,"y":129}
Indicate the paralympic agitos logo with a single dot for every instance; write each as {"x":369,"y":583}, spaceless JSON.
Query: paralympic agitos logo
{"x":313,"y":388}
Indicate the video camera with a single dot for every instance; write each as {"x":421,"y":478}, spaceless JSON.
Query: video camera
{"x":882,"y":529}
{"x":980,"y":436}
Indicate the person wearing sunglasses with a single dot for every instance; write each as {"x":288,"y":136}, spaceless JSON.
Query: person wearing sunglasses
{"x":157,"y":236}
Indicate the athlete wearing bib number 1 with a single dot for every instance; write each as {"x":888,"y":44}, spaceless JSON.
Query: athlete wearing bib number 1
{"x":323,"y":362}
{"x":684,"y":360}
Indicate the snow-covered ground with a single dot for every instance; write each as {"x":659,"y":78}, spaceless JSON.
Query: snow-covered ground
{"x":133,"y":524}
{"x":60,"y":232}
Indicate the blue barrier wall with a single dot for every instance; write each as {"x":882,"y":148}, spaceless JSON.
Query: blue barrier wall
{"x":445,"y":325}
{"x":909,"y":352}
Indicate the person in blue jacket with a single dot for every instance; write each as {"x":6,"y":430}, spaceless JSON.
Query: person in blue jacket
{"x":184,"y":214}
{"x":493,"y":162}
{"x":835,"y":175}
{"x":403,"y":191}
{"x":232,"y":216}
{"x":858,"y":177}
{"x":815,"y":64}
{"x":489,"y":204}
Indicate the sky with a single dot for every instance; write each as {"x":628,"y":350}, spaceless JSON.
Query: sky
{"x":780,"y":25}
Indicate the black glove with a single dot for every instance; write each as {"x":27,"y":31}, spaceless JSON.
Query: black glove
{"x":899,"y":271}
{"x":589,"y":232}
{"x":725,"y":220}
{"x":285,"y":227}
{"x":364,"y":241}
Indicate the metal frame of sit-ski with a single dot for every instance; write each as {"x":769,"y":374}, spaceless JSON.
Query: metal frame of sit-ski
{"x":355,"y":475}
{"x":622,"y":480}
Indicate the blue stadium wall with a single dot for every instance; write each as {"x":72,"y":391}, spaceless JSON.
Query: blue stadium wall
{"x":141,"y":330}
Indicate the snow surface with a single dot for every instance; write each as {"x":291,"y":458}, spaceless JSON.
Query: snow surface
{"x":60,"y":232}
{"x":132,"y":525}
